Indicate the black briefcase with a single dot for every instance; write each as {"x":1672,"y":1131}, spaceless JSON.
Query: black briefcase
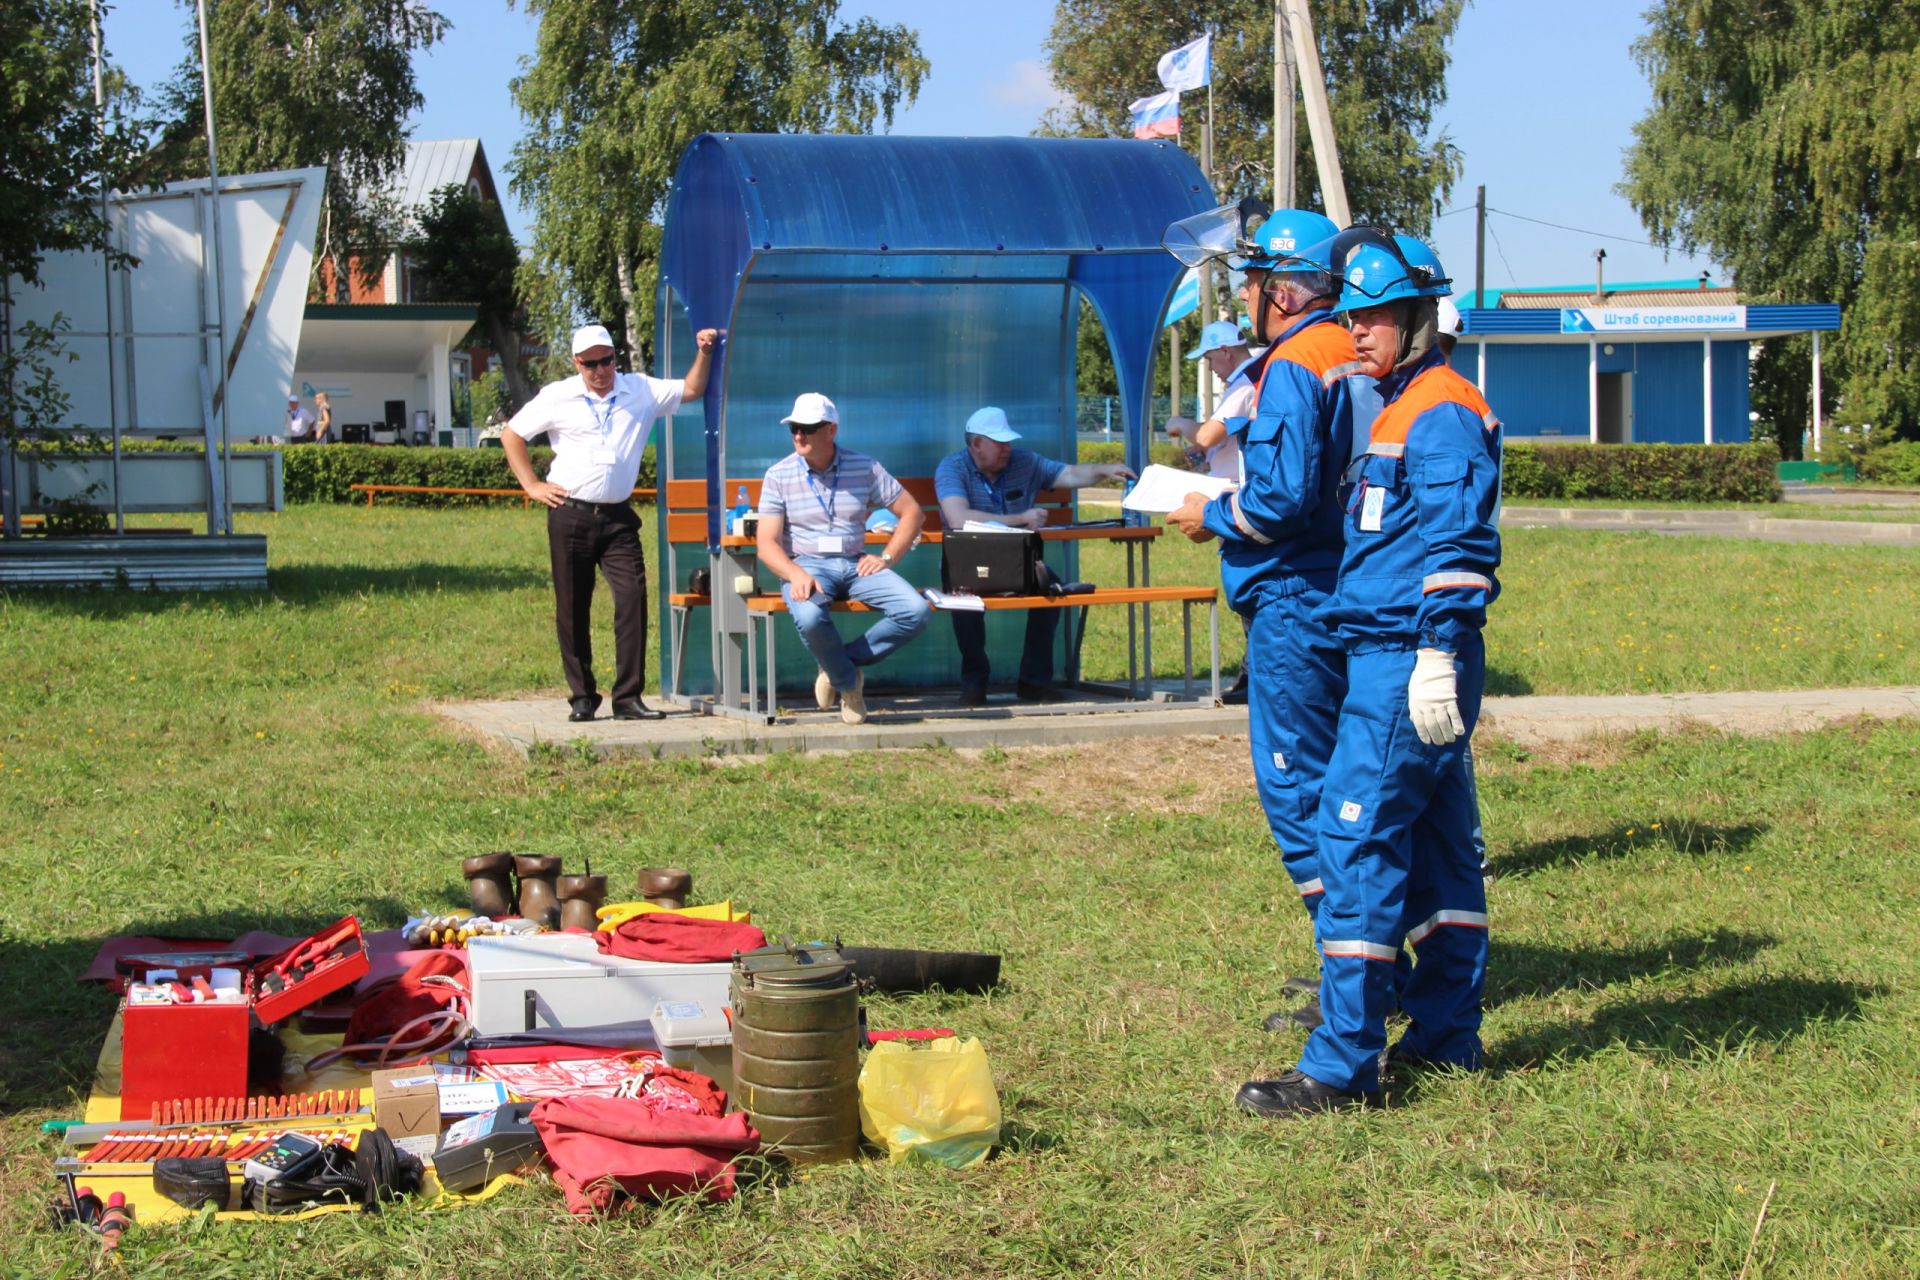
{"x":994,"y":564}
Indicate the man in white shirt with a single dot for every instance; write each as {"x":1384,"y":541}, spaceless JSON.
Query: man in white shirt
{"x":1225,"y":350}
{"x":598,"y":422}
{"x":299,"y":422}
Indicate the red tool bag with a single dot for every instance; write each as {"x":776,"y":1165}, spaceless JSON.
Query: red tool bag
{"x":602,"y":1147}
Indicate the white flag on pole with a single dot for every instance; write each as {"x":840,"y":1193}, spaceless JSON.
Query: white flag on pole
{"x":1188,"y":67}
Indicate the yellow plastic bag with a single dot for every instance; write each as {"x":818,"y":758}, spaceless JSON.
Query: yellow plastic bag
{"x":936,"y":1103}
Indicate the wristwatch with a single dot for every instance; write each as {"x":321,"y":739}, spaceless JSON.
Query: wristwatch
{"x":886,"y":558}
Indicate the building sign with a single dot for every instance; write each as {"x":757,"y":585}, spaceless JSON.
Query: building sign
{"x":1630,"y":320}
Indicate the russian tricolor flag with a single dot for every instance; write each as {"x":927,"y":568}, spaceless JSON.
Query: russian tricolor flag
{"x":1157,"y":116}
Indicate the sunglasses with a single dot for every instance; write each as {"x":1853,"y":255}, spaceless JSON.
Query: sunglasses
{"x":601,"y":363}
{"x":806,"y":428}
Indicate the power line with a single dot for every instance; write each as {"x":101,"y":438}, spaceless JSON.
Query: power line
{"x":1502,"y":251}
{"x":1561,"y":226}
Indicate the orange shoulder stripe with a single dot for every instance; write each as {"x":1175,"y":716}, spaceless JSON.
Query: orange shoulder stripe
{"x":1436,"y":386}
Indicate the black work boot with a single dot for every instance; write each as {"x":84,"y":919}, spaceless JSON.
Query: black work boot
{"x":1298,"y":1094}
{"x":1305,"y":1018}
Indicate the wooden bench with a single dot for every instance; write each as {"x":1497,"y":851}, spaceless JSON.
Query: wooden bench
{"x":685,"y":515}
{"x":371,"y":489}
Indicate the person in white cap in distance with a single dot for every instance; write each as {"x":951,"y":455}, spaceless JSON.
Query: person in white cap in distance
{"x":814,"y":505}
{"x":1228,"y":358}
{"x":992,"y":481}
{"x":597,"y":422}
{"x":299,"y":422}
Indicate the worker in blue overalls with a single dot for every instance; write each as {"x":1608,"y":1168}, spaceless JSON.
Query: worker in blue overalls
{"x":1279,"y":531}
{"x":1396,"y":811}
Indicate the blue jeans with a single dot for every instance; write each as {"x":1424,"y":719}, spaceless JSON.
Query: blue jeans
{"x":906,"y":613}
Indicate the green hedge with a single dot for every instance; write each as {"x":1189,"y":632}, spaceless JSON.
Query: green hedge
{"x":1096,"y":452}
{"x":1636,"y":472}
{"x":323,"y":472}
{"x":1897,"y":463}
{"x":1643,"y":472}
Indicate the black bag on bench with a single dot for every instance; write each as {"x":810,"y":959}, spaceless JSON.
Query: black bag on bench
{"x":995,"y":564}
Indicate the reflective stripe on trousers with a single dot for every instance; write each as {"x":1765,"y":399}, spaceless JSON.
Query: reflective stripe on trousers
{"x":1397,"y":857}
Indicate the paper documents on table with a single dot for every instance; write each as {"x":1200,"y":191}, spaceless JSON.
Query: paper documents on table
{"x":957,"y":600}
{"x":988,"y":526}
{"x":1162,"y":489}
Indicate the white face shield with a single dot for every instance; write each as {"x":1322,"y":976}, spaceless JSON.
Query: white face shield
{"x":1216,"y":233}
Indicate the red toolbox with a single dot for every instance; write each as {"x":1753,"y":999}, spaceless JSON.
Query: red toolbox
{"x":199,"y":1050}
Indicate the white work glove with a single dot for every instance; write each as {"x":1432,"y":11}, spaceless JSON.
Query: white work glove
{"x":1431,"y":701}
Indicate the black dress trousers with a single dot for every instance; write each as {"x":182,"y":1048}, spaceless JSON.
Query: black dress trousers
{"x":606,"y":536}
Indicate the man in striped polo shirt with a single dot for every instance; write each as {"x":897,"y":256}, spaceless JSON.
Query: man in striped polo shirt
{"x":813,"y":523}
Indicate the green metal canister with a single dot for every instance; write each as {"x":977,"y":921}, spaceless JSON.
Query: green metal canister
{"x":796,"y":1050}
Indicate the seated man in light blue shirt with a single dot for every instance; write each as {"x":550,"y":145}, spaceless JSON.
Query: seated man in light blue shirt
{"x":813,"y":527}
{"x":992,"y":480}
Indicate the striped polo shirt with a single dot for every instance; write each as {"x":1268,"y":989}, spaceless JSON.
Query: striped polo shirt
{"x":834,"y":501}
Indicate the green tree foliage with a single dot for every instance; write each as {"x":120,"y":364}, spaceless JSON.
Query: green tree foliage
{"x":1385,"y":64}
{"x":309,"y":82}
{"x":619,"y":87}
{"x":1784,"y":140}
{"x":462,"y":251}
{"x":57,"y":151}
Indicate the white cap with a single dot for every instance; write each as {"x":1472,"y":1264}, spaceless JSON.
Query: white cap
{"x":1450,"y":318}
{"x":991,"y":422}
{"x":293,"y":399}
{"x":1216,"y":336}
{"x":589,"y":336}
{"x":810,"y":407}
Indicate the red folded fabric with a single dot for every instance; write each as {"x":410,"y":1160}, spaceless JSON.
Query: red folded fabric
{"x":661,"y":935}
{"x":603,"y":1146}
{"x":388,"y":1006}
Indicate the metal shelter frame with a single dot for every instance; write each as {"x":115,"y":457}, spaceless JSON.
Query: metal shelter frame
{"x":912,"y":280}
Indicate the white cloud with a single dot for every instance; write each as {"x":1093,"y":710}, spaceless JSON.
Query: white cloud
{"x":1027,"y":83}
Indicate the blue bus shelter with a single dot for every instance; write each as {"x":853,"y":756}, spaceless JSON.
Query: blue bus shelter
{"x":912,"y":280}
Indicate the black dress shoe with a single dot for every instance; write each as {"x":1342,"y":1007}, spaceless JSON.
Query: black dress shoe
{"x":973,"y":697}
{"x":1305,"y":1018}
{"x":1298,"y":1094}
{"x":1236,"y":694}
{"x":583,"y":709}
{"x":636,"y":710}
{"x":1038,"y":693}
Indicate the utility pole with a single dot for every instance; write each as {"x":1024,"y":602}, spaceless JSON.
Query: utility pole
{"x":1313,"y":88}
{"x":1283,"y":139}
{"x":1480,"y":246}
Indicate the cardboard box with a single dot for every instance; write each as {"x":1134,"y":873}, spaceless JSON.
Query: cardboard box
{"x":406,"y":1102}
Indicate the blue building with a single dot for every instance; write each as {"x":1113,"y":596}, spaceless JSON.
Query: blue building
{"x":1663,"y":362}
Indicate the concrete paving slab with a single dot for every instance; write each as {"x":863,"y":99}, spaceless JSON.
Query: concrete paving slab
{"x":1538,"y":718}
{"x":920,"y":721}
{"x":524,"y":723}
{"x":1724,"y":524}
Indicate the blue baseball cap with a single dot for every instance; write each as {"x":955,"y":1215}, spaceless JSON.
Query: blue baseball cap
{"x":1221,"y":333}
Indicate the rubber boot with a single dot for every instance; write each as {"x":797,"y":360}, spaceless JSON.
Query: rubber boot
{"x":580,"y":898}
{"x":666,"y":886}
{"x":489,"y":883}
{"x":538,"y":901}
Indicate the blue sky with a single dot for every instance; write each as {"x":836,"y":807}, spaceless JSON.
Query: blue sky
{"x":1542,"y":96}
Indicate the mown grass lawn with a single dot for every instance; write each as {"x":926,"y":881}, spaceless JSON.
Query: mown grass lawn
{"x":1704,"y":970}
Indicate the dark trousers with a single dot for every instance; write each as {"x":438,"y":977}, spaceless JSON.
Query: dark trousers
{"x":1036,"y":656}
{"x":607,"y":537}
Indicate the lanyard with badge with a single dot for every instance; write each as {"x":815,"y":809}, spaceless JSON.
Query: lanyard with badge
{"x":604,"y":454}
{"x":827,"y":544}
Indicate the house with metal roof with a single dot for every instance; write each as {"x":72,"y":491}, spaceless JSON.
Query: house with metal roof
{"x":1663,"y":361}
{"x":389,"y":363}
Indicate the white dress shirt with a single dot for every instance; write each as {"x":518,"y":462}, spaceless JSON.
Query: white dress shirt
{"x":597,"y":442}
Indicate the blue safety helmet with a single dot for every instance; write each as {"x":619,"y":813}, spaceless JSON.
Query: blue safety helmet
{"x":1372,"y":268}
{"x":1277,"y":242}
{"x":1420,"y":256}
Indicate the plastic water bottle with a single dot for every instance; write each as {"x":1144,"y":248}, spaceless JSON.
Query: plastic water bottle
{"x":738,"y":516}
